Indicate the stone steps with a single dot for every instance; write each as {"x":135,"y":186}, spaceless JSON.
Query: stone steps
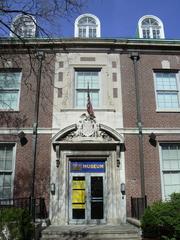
{"x":101,"y":232}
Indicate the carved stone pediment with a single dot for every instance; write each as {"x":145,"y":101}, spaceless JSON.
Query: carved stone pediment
{"x":87,"y":130}
{"x":87,"y":134}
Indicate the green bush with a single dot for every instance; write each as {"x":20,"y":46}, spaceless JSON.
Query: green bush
{"x":162,"y":219}
{"x":17,"y":223}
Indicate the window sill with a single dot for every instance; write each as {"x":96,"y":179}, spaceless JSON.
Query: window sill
{"x":168,"y":110}
{"x":84,"y":110}
{"x":170,"y":170}
{"x":9,"y":111}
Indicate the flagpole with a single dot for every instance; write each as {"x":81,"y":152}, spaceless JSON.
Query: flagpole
{"x":89,"y":104}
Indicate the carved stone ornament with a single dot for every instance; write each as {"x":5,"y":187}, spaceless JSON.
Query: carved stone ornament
{"x":87,"y":128}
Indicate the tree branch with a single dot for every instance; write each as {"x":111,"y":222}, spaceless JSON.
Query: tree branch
{"x":9,"y":28}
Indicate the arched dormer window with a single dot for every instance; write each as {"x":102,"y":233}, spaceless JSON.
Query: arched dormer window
{"x":23,"y":26}
{"x":87,"y":26}
{"x":150,"y":26}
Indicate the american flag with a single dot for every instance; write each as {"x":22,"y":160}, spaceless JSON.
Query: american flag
{"x":89,"y":105}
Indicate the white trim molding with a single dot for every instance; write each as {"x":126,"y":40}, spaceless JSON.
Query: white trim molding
{"x":54,"y":131}
{"x":160,"y":27}
{"x":98,"y":25}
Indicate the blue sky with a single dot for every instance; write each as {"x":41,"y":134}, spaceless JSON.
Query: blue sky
{"x":119,"y":17}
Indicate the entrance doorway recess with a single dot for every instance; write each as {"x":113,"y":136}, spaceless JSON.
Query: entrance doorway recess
{"x":87,"y":191}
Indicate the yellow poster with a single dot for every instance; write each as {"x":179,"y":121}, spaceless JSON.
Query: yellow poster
{"x":78,"y":196}
{"x":78,"y":206}
{"x":76,"y":184}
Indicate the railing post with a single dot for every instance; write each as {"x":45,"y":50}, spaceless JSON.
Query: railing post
{"x":41,"y":207}
{"x":145,"y":201}
{"x":132,"y":207}
{"x":43,"y":213}
{"x":32,"y":207}
{"x":29,"y":206}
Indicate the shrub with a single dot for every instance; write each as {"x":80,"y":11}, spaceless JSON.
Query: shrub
{"x":16,"y":223}
{"x":162,"y":219}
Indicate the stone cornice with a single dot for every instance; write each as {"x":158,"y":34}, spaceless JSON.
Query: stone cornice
{"x":113,"y":45}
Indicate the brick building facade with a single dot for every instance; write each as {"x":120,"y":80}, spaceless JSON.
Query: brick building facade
{"x":81,"y":167}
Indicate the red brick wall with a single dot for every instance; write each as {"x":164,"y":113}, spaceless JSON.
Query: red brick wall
{"x":132,"y":169}
{"x":24,"y":168}
{"x":24,"y":117}
{"x":150,"y":119}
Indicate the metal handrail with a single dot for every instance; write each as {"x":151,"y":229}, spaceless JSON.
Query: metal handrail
{"x":26,"y":203}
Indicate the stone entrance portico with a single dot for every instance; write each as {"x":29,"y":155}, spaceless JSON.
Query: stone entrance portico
{"x":87,"y":143}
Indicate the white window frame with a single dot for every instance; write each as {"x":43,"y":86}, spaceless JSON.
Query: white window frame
{"x":26,"y":29}
{"x":18,"y":90}
{"x":85,"y":90}
{"x":160,"y":27}
{"x":162,"y":171}
{"x":158,"y":109}
{"x":12,"y":171}
{"x":77,"y":27}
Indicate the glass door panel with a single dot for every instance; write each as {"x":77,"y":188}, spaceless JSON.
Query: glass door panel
{"x":97,"y":202}
{"x":78,"y":197}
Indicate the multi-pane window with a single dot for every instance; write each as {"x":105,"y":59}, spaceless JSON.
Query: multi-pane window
{"x":167,"y":91}
{"x":146,"y":33}
{"x":82,"y":32}
{"x":6,"y":170}
{"x":92,"y":32}
{"x":87,"y":27}
{"x":87,"y":81}
{"x":170,"y":168}
{"x":24,"y":26}
{"x":150,"y":27}
{"x":9,"y":90}
{"x":156,"y":33}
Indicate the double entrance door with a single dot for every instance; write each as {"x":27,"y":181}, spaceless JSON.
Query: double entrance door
{"x":87,"y":192}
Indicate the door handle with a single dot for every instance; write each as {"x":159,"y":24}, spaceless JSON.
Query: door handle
{"x":96,"y":199}
{"x":85,"y":197}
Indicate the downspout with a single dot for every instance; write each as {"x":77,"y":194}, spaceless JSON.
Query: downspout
{"x":135,"y":58}
{"x":40,"y":58}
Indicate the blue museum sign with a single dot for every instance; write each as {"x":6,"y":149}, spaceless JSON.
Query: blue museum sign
{"x":91,"y":167}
